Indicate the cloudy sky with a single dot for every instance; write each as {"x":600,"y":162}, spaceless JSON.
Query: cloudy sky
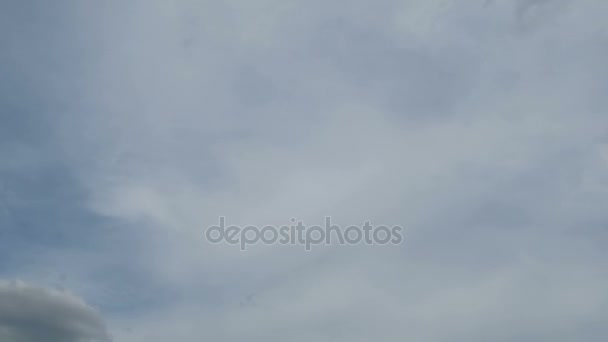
{"x":128,"y":127}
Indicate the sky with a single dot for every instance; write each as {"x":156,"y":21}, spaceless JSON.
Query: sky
{"x":129,"y":127}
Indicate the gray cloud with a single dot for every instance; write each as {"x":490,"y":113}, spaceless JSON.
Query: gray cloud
{"x":478,"y":125}
{"x":29,"y":314}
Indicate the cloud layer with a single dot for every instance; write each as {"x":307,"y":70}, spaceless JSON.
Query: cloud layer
{"x":479,"y":126}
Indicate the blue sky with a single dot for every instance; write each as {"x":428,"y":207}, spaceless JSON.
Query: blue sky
{"x":127,"y":128}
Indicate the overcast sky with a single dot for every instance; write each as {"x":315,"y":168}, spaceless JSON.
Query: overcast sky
{"x":128,"y":127}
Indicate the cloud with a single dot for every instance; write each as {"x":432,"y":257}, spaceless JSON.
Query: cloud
{"x":29,"y":313}
{"x":479,"y":128}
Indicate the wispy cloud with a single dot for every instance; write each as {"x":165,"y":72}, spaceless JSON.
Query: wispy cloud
{"x":478,"y":126}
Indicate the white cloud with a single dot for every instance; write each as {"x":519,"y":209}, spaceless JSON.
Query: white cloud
{"x":29,"y":313}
